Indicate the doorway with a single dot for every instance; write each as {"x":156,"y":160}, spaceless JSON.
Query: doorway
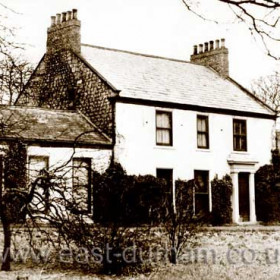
{"x":244,"y":206}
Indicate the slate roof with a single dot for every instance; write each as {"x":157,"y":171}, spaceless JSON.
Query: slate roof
{"x":162,"y":79}
{"x":38,"y":124}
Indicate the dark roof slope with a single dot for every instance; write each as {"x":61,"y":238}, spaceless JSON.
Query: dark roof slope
{"x":169,"y":80}
{"x":47,"y":125}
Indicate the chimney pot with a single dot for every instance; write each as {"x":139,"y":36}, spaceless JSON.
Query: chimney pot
{"x":68,"y":15}
{"x":211,"y":45}
{"x":60,"y":38}
{"x":75,"y":13}
{"x":52,"y":20}
{"x":63,"y":17}
{"x":213,"y":54}
{"x":195,"y":49}
{"x":206,"y":46}
{"x":58,"y":18}
{"x":217,"y":44}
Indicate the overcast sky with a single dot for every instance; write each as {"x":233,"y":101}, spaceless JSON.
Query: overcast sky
{"x":158,"y":27}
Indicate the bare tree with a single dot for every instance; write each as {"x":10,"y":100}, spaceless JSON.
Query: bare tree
{"x":267,"y":89}
{"x":14,"y":73}
{"x":14,"y":70}
{"x":260,"y":16}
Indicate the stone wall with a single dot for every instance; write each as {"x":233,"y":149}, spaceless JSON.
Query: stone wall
{"x":63,"y":80}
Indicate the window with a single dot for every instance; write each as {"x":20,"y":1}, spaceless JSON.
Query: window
{"x":81,"y":191}
{"x":164,"y":128}
{"x":36,"y":165}
{"x":166,"y":174}
{"x":201,"y":191}
{"x":239,"y":135}
{"x":202,"y":132}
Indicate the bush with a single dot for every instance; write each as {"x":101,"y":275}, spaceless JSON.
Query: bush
{"x":268,"y":193}
{"x":127,"y":200}
{"x":125,"y":206}
{"x":221,"y":200}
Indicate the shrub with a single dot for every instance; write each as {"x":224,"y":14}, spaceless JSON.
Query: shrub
{"x":221,"y":200}
{"x":180,"y":222}
{"x":127,"y":200}
{"x":268,"y":193}
{"x":125,"y":206}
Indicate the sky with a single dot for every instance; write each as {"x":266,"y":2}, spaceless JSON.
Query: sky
{"x":158,"y":27}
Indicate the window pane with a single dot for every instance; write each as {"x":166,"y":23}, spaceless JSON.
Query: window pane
{"x":163,"y":136}
{"x":243,"y":128}
{"x":235,"y":128}
{"x":37,"y":164}
{"x":81,"y":184}
{"x":201,"y":124}
{"x":166,"y":174}
{"x":163,"y":120}
{"x":243,"y":144}
{"x":201,"y":140}
{"x":201,"y":181}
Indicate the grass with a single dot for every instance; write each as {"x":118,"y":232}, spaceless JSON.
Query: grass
{"x":240,"y":265}
{"x":186,"y":272}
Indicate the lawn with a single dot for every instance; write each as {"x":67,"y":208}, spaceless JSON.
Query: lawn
{"x":233,"y":253}
{"x":188,"y":272}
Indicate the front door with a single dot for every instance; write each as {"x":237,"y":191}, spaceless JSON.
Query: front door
{"x":244,"y":207}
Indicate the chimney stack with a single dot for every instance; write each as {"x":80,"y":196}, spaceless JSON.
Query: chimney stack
{"x":213,"y":57}
{"x":64,"y":33}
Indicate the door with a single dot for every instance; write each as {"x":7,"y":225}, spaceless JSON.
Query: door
{"x":244,"y":207}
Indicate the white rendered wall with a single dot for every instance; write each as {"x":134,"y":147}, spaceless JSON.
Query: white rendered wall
{"x":58,"y":156}
{"x":136,"y":148}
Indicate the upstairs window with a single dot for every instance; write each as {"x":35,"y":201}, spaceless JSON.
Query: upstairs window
{"x":164,"y":128}
{"x":81,"y":191}
{"x":239,"y":135}
{"x":202,"y":132}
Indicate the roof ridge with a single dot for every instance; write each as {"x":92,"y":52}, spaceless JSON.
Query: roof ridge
{"x":140,"y":54}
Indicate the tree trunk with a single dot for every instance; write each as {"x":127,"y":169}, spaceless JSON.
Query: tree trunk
{"x":6,"y":259}
{"x":173,"y":255}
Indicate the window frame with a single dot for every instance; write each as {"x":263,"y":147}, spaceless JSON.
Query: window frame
{"x":47,"y":160}
{"x":239,"y":136}
{"x":170,"y":130}
{"x":203,"y":132}
{"x":202,"y":193}
{"x":170,"y":183}
{"x":89,"y":191}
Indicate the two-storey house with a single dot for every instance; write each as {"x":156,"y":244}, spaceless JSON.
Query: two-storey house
{"x":166,"y":117}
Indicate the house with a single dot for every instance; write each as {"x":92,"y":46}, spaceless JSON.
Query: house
{"x":165,"y":117}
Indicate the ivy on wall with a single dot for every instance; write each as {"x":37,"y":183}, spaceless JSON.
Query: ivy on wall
{"x":221,"y":200}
